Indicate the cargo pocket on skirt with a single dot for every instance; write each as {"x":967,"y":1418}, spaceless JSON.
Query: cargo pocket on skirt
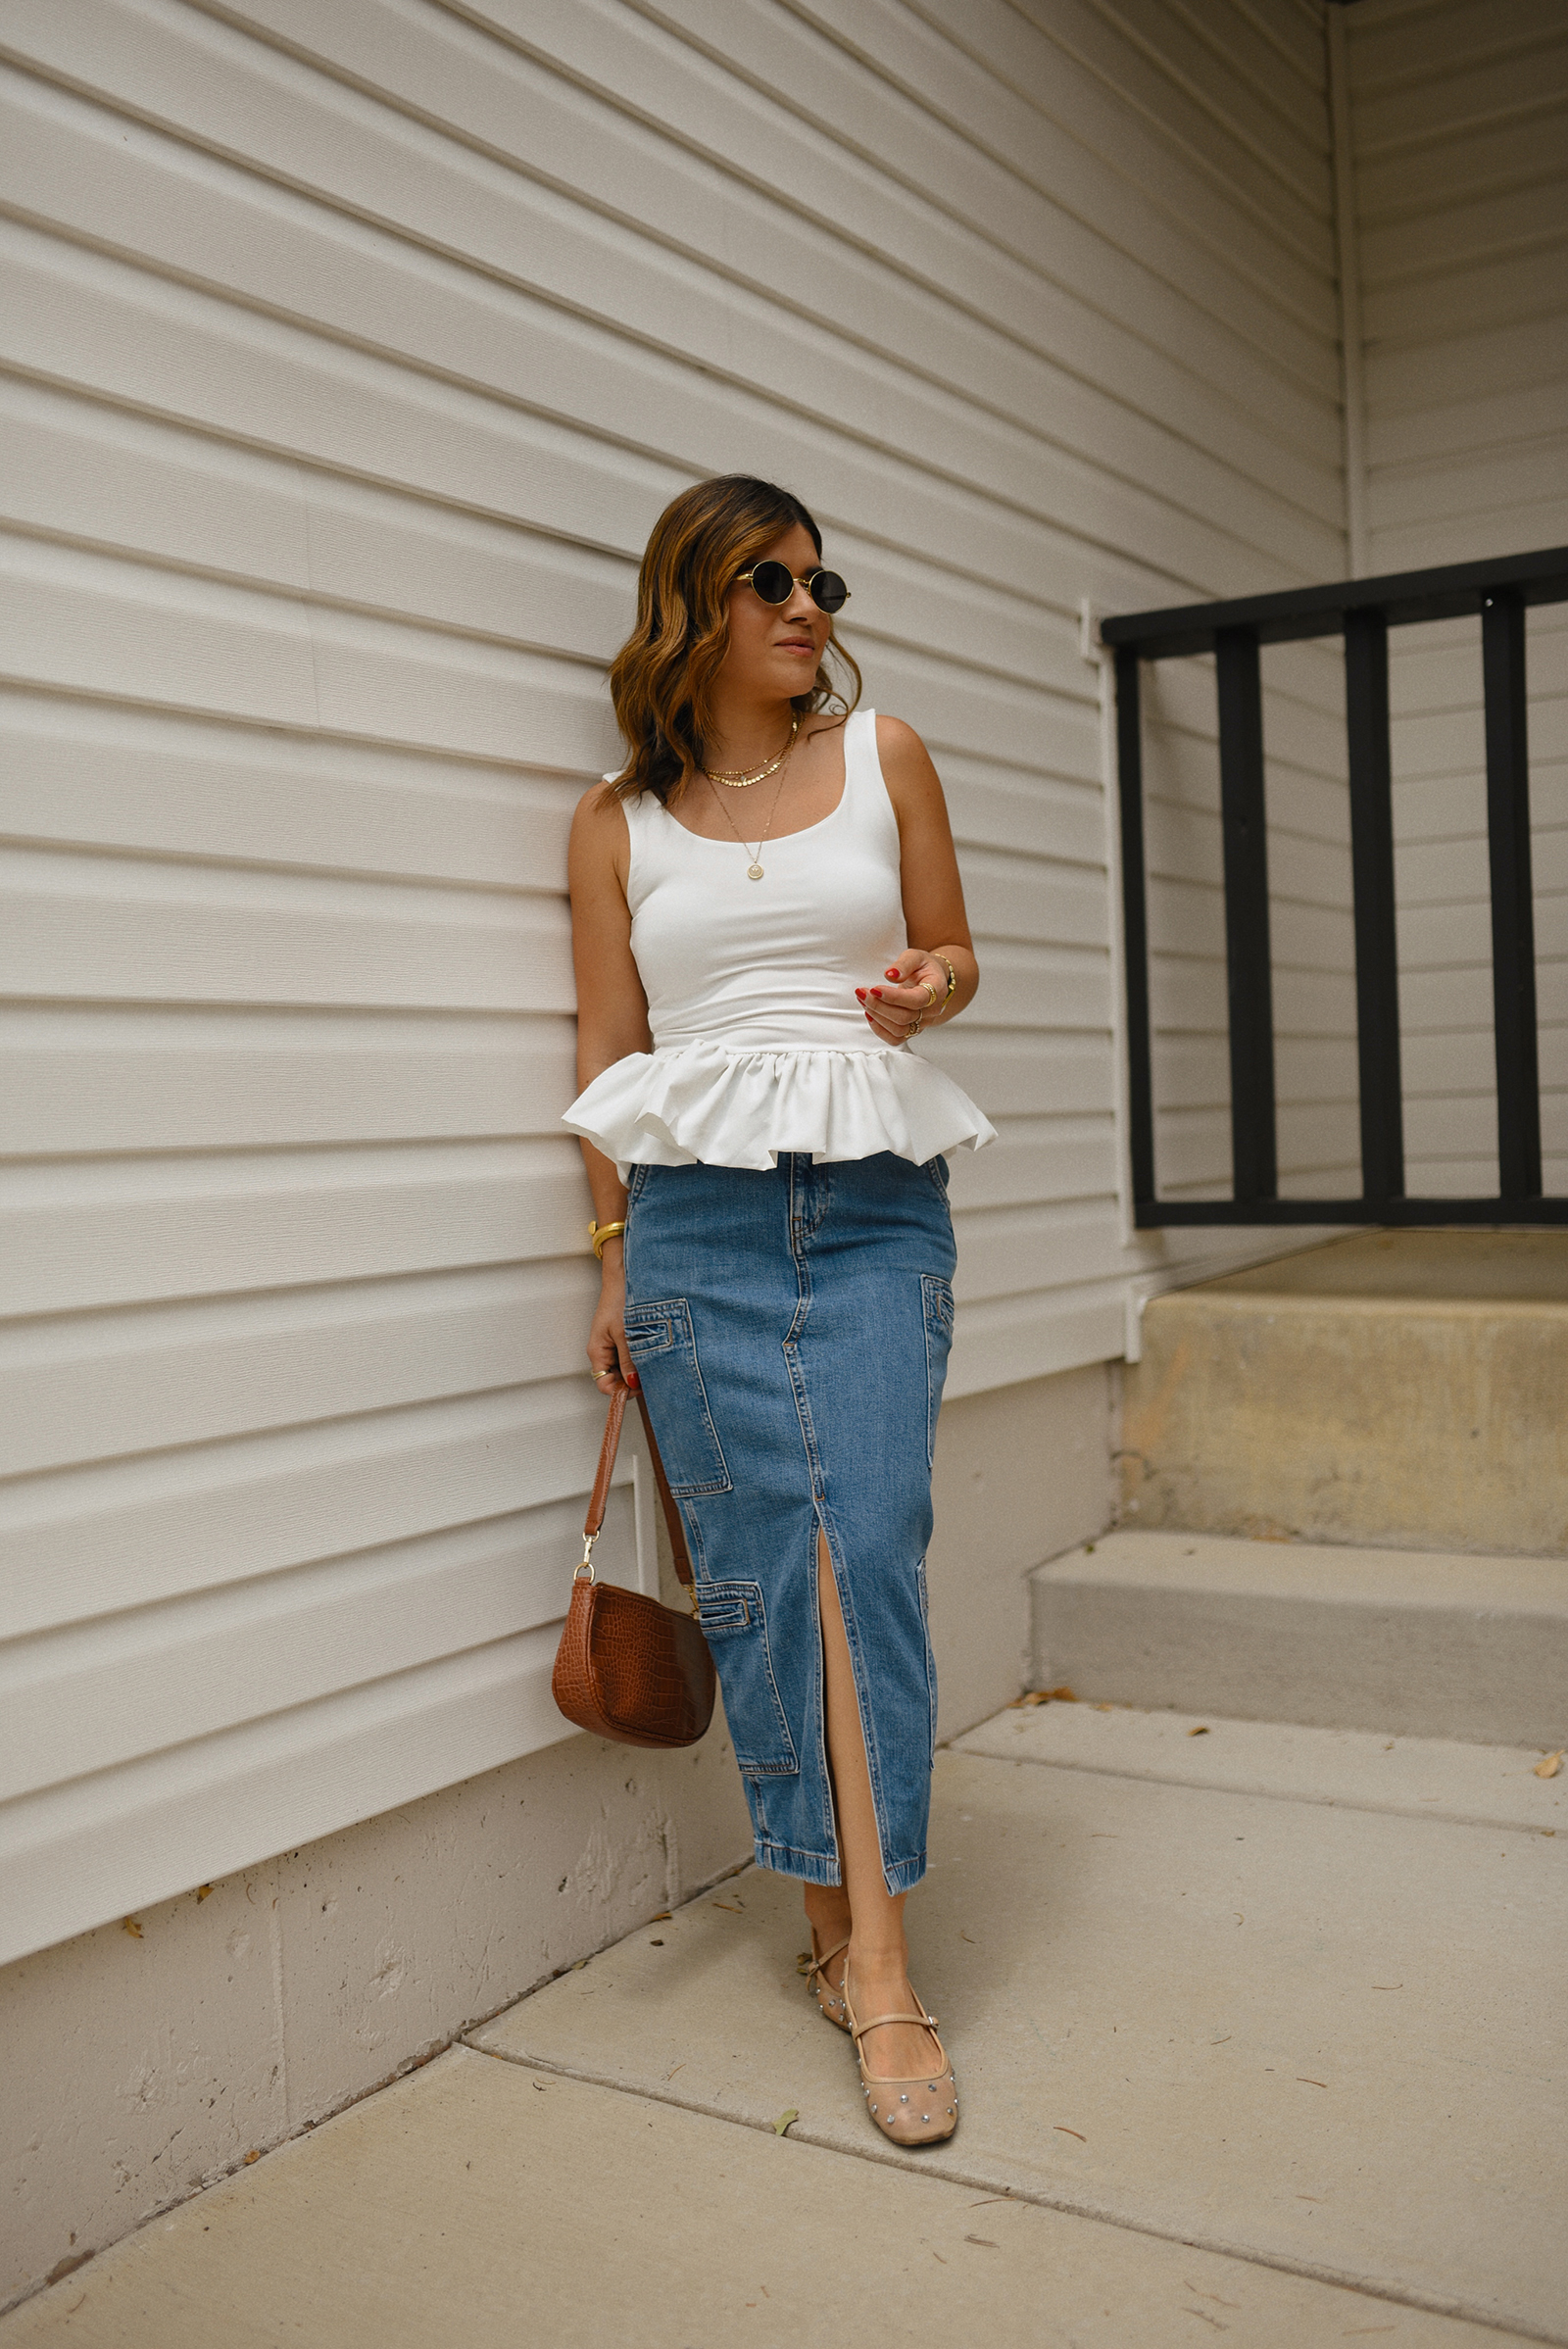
{"x":663,"y":1354}
{"x":938,"y":1299}
{"x":734,"y":1624}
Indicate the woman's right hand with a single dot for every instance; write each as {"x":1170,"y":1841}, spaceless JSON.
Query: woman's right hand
{"x":608,"y":1357}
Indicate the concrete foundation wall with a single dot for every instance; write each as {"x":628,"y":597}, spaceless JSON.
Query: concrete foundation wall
{"x":147,"y":2057}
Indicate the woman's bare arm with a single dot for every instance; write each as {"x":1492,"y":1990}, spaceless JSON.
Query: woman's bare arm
{"x":611,"y":1021}
{"x":934,"y":920}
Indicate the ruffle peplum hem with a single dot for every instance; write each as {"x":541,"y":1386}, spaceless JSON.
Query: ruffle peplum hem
{"x":701,"y":1102}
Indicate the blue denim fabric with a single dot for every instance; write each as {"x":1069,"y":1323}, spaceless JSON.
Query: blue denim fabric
{"x":791,"y":1327}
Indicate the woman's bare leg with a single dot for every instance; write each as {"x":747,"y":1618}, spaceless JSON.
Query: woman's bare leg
{"x":862,"y":1906}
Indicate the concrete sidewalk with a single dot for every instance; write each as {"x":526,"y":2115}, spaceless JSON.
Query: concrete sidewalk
{"x":1259,"y":2033}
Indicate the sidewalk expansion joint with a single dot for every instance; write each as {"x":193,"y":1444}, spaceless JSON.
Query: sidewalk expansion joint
{"x":1389,"y":2294}
{"x":1215,"y":1786}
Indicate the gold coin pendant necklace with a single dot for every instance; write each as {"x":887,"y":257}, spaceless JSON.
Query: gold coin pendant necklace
{"x":754,"y":870}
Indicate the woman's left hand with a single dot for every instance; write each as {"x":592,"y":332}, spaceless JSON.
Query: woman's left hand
{"x":910,"y":993}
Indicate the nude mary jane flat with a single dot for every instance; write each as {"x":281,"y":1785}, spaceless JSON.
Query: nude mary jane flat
{"x":911,"y":2112}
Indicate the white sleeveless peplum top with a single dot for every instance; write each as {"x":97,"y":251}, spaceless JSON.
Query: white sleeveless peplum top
{"x":758,"y":1043}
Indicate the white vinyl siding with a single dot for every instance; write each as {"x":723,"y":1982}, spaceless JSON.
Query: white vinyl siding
{"x":347,"y":353}
{"x":1460,"y":134}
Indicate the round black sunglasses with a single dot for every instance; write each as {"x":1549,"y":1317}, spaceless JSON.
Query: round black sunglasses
{"x":775,"y":583}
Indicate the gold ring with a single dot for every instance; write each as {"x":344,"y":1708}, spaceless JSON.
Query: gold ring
{"x":932,"y":992}
{"x":915,"y":1027}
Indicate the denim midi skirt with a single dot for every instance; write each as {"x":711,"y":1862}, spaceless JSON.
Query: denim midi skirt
{"x":791,"y":1329}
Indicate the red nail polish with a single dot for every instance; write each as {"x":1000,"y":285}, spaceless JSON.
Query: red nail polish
{"x":876,"y":994}
{"x":860,"y":994}
{"x":633,"y":1380}
{"x":890,"y":975}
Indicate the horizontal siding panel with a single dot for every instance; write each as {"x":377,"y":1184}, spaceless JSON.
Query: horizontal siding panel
{"x":127,"y":1839}
{"x":79,"y":926}
{"x":1173,"y":103}
{"x":936,"y":228}
{"x":96,"y":322}
{"x":146,"y":782}
{"x":1453,"y":37}
{"x":1016,"y":1076}
{"x":198,"y":217}
{"x":1471,"y":233}
{"x":383,"y":165}
{"x":1475,"y":157}
{"x":93,"y":1080}
{"x":80,"y":1235}
{"x":84,"y":622}
{"x":962,"y":92}
{"x":189,"y":1373}
{"x":80,"y":1701}
{"x":124,"y":1533}
{"x":1006,"y":1343}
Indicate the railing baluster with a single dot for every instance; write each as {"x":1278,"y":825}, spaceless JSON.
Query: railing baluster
{"x":1513,"y":911}
{"x":1135,"y":928}
{"x":1246,"y":931}
{"x":1377,"y":964}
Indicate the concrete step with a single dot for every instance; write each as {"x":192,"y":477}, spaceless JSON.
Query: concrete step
{"x":1408,"y":1643}
{"x":1407,"y":1388}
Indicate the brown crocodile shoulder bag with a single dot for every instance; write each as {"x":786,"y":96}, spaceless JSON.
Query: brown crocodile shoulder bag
{"x":628,"y":1667}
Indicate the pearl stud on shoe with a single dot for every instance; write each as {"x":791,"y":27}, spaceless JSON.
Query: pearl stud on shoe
{"x":896,"y":2119}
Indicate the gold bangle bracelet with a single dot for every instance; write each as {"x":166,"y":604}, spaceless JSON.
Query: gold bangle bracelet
{"x":952,"y":976}
{"x":598,"y":1233}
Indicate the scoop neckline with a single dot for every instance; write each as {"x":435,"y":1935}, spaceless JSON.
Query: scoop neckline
{"x":774,"y":840}
{"x":777,"y":839}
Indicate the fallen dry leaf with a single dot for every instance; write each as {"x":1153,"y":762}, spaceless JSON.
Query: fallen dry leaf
{"x":784,"y":2119}
{"x":1065,"y":2131}
{"x":202,"y":1891}
{"x":1043,"y":1696}
{"x":728,"y":1906}
{"x":659,"y":1917}
{"x":1551,"y":1766}
{"x":1201,"y":1731}
{"x":254,"y":2155}
{"x":984,"y":2241}
{"x":132,"y":1926}
{"x":1104,"y":1708}
{"x":1310,"y":2084}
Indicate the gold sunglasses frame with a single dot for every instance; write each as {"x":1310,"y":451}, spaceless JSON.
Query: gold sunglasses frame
{"x":799,"y":579}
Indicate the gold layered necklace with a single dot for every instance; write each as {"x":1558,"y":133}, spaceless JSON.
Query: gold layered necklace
{"x":754,"y":870}
{"x":742,"y":779}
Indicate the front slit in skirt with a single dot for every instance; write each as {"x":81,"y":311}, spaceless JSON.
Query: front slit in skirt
{"x":791,"y":1327}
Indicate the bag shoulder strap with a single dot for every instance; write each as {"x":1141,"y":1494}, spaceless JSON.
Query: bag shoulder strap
{"x":599,"y":1498}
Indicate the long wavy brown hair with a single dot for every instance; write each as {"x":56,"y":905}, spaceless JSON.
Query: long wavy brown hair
{"x":661,"y":679}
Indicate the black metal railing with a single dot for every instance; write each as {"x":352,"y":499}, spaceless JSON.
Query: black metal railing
{"x":1363,"y":612}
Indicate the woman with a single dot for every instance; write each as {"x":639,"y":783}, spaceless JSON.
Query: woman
{"x":765,"y":910}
